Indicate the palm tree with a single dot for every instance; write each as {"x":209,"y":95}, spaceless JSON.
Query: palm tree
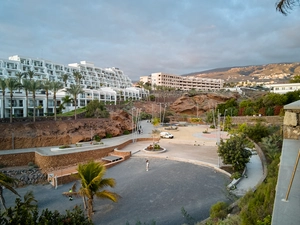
{"x":3,"y":87}
{"x":284,"y":6}
{"x":47,"y":86}
{"x":65,"y":78}
{"x":26,"y":86}
{"x":77,"y":75}
{"x":20,"y":75}
{"x":92,"y":183}
{"x":34,"y":86}
{"x":55,"y":86}
{"x":75,"y":90}
{"x":12,"y":84}
{"x":6,"y":182}
{"x":30,"y":73}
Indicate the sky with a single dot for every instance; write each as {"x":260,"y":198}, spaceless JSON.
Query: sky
{"x":147,"y":36}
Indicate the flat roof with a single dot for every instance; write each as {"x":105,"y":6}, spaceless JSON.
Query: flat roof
{"x":293,"y":105}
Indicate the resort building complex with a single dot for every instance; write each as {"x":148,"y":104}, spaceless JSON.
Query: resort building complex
{"x":104,"y":84}
{"x":184,"y":83}
{"x":283,"y":88}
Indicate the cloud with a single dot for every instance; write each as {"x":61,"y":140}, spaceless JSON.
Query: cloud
{"x":143,"y":37}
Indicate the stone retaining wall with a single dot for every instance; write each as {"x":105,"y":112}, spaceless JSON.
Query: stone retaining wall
{"x":291,"y":124}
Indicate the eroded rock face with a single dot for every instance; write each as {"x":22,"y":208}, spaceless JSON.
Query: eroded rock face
{"x":53,"y":133}
{"x":204,"y":102}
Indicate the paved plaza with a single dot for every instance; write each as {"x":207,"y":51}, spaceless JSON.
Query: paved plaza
{"x":186,"y":175}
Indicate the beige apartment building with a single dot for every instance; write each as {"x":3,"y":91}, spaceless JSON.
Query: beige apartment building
{"x":184,"y":83}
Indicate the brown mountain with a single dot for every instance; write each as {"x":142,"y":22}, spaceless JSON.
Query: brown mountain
{"x":277,"y":72}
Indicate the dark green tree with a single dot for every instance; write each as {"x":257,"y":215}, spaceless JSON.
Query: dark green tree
{"x":55,"y":86}
{"x":3,"y":87}
{"x":257,"y":132}
{"x":12,"y":84}
{"x":34,"y":86}
{"x":272,"y":99}
{"x":75,"y":90}
{"x":8,"y":183}
{"x":232,"y":151}
{"x":26,"y":212}
{"x":97,"y":109}
{"x":295,"y":79}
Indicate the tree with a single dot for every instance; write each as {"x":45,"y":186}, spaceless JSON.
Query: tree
{"x":30,"y":74}
{"x":295,"y":79}
{"x":92,"y":182}
{"x":26,"y":212}
{"x":233,"y":151}
{"x":77,"y":75}
{"x":26,"y":86}
{"x":3,"y":87}
{"x":75,"y":90}
{"x":272,"y":99}
{"x":97,"y":109}
{"x":65,"y":100}
{"x":20,"y":75}
{"x":65,"y":78}
{"x":284,"y":6}
{"x":34,"y":86}
{"x":55,"y":86}
{"x":12,"y":84}
{"x":6,"y":182}
{"x":46,"y":85}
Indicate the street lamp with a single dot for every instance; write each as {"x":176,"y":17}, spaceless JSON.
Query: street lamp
{"x":224,"y":119}
{"x":132,"y":123}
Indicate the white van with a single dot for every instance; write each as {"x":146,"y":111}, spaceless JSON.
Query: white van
{"x":166,"y":135}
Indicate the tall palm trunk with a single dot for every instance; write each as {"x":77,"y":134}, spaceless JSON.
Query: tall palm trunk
{"x":34,"y":103}
{"x":90,"y":208}
{"x":26,"y":93}
{"x":11,"y":103}
{"x":75,"y":102}
{"x":54,"y":98}
{"x":3,"y":102}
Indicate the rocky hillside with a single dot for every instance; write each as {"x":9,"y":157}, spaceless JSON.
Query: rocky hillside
{"x":63,"y":132}
{"x":53,"y":133}
{"x":280,"y":73}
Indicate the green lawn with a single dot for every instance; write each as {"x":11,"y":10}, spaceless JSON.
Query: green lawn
{"x":71,"y":113}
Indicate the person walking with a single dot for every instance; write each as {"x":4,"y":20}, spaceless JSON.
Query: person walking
{"x":70,"y":196}
{"x":147,"y":165}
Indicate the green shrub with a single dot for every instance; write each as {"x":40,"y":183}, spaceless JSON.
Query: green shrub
{"x":219,"y":210}
{"x":64,"y":146}
{"x":108,"y":135}
{"x":97,"y":138}
{"x":236,"y":175}
{"x":126,"y":132}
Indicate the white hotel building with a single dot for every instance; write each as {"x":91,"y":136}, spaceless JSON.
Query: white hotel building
{"x":104,"y":84}
{"x":184,"y":83}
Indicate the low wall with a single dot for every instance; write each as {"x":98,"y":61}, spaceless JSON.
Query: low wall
{"x":17,"y":159}
{"x":48,"y":163}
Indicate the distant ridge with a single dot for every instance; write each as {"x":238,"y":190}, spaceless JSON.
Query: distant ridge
{"x":279,"y":72}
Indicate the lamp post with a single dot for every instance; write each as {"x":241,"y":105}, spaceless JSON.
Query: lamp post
{"x":132,"y":124}
{"x":224,"y":119}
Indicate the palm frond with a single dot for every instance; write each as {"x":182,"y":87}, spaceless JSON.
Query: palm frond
{"x":108,"y":195}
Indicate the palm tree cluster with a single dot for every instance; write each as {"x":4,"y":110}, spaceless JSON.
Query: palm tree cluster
{"x":29,"y":85}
